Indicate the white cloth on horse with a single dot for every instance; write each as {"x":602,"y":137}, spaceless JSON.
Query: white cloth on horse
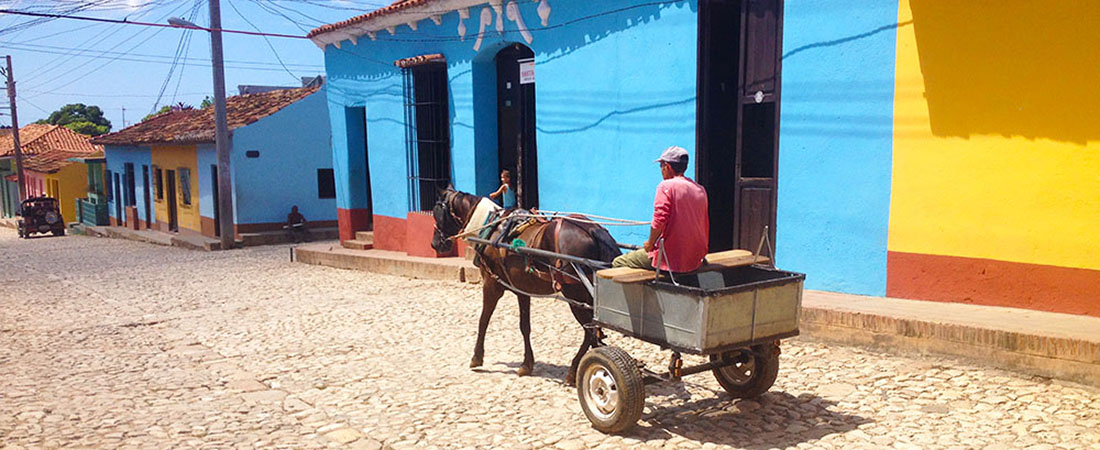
{"x":480,"y":215}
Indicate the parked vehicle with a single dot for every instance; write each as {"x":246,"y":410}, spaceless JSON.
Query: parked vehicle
{"x":40,"y":215}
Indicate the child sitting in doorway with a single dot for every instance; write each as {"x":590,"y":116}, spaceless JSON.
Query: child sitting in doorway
{"x":506,"y":194}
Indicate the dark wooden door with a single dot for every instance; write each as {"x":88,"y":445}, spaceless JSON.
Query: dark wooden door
{"x":517,"y":149}
{"x":739,"y":79}
{"x":118,"y":201}
{"x":170,"y":200}
{"x":217,"y":209}
{"x":145,"y":197}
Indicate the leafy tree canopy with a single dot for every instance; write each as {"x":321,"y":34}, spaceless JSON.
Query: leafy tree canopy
{"x":163,"y":109}
{"x":80,"y":118}
{"x":207,"y":102}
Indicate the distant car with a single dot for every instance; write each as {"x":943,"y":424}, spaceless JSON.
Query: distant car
{"x":40,"y":215}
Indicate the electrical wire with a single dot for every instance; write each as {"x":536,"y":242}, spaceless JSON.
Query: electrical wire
{"x":147,"y":24}
{"x":185,"y":38}
{"x":266,"y":40}
{"x":143,"y":57}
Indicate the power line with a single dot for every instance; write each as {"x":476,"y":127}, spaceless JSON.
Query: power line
{"x":147,"y":24}
{"x":185,"y":38}
{"x":140,"y":57}
{"x":266,"y":40}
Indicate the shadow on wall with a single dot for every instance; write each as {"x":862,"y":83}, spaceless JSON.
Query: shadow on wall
{"x":1010,"y":68}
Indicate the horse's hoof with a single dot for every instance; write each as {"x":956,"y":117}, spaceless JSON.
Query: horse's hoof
{"x":475,"y":362}
{"x":524,"y":371}
{"x":571,"y":380}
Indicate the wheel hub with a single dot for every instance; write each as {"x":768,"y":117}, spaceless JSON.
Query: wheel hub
{"x":740,"y":372}
{"x":602,"y":392}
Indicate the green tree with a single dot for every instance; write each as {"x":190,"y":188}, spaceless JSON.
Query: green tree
{"x":162,"y":110}
{"x":80,"y":118}
{"x":206,"y":103}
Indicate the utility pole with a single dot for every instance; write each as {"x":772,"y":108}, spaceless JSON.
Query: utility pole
{"x":221,"y":131}
{"x":15,"y":133}
{"x":123,"y":117}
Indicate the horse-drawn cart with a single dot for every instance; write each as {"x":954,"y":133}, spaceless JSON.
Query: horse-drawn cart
{"x":733,"y":310}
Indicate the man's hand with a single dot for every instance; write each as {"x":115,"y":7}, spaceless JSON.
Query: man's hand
{"x":648,"y":246}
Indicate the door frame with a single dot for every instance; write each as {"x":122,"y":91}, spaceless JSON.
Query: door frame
{"x":703,"y":81}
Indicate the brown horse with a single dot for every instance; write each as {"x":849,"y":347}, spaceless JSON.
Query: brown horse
{"x":502,"y":269}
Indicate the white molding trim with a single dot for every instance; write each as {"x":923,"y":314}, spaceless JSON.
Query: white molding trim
{"x":408,"y":16}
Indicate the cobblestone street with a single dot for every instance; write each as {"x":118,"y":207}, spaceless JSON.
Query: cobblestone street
{"x":111,"y":343}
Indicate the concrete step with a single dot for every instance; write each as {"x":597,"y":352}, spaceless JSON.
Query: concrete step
{"x":365,"y":236}
{"x":357,"y":244}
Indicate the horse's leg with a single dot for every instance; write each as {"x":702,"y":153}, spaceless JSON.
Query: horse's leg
{"x":584,"y":316}
{"x":525,"y":328}
{"x":491,"y":291}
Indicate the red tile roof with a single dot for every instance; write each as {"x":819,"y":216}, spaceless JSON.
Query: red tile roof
{"x":27,"y":135}
{"x":196,"y":126}
{"x":384,"y":11}
{"x":51,"y":162}
{"x":47,"y":148}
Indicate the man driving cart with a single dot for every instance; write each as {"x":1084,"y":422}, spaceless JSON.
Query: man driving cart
{"x":680,"y":230}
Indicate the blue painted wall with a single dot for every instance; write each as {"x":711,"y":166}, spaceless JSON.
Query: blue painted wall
{"x":835,"y":142}
{"x":605,"y":111}
{"x":117,"y":157}
{"x":293,"y":143}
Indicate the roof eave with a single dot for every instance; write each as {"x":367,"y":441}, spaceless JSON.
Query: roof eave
{"x":409,"y":17}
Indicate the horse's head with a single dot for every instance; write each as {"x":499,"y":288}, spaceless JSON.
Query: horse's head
{"x":448,"y":220}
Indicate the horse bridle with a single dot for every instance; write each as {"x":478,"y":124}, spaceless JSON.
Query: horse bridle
{"x":446,"y":204}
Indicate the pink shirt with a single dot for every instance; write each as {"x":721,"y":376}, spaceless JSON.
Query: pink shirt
{"x":681,"y":208}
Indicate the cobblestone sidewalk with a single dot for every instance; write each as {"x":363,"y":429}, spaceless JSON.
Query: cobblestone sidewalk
{"x":107,"y":343}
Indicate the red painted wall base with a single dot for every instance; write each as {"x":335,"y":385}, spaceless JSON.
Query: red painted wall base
{"x":994,"y":283}
{"x":389,"y":233}
{"x":351,"y":220}
{"x":418,"y":235}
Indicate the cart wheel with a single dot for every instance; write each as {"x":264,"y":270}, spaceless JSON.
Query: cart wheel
{"x":752,"y":374}
{"x":610,"y":389}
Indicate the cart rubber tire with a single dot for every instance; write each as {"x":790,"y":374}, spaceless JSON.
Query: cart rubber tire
{"x":752,"y":378}
{"x":610,"y":389}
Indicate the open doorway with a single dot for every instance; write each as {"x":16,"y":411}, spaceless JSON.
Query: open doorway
{"x":170,"y":200}
{"x":738,"y":118}
{"x":516,"y":121}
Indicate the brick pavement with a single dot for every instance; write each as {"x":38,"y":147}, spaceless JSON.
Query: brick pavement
{"x":123,"y":344}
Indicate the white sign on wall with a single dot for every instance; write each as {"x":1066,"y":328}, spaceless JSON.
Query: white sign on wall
{"x":526,"y":71}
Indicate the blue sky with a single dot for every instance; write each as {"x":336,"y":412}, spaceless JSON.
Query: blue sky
{"x":117,"y":66}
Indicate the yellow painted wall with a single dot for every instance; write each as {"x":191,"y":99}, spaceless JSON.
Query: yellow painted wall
{"x":997,"y":131}
{"x":72,"y":183}
{"x":173,"y":158}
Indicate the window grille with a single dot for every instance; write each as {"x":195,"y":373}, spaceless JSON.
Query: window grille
{"x":427,"y":133}
{"x":158,"y":183}
{"x":185,"y":185}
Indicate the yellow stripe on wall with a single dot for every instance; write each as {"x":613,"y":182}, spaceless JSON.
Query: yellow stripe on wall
{"x":997,"y":131}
